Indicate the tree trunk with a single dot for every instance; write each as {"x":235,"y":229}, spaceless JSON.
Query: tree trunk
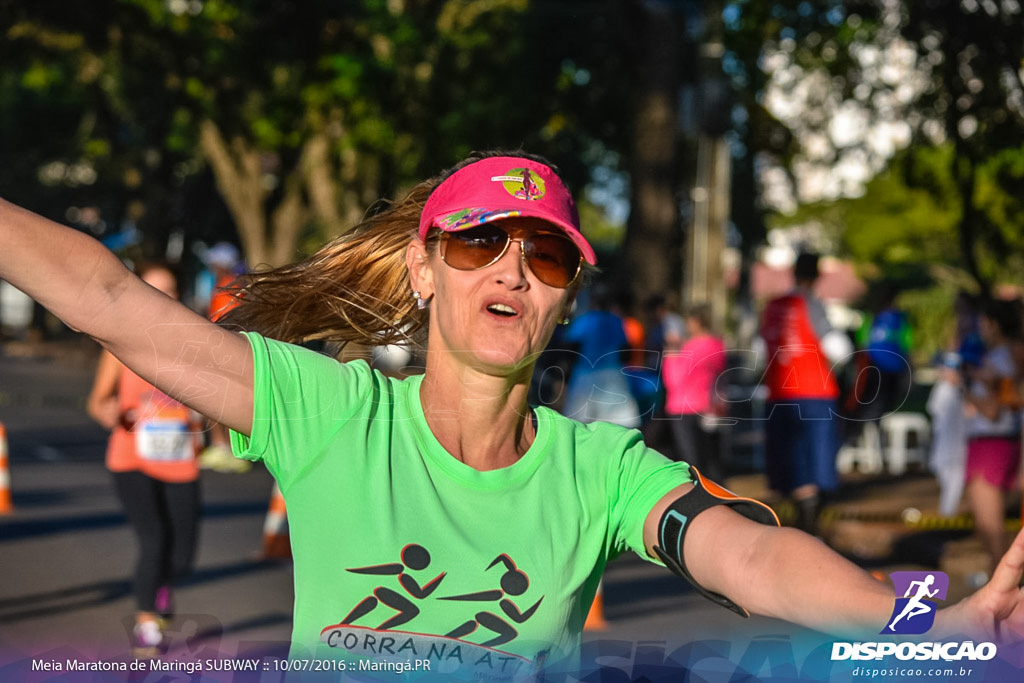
{"x":309,"y":191}
{"x":321,"y":184}
{"x":239,"y":179}
{"x":287,"y":220}
{"x":968,"y":228}
{"x":653,"y":258}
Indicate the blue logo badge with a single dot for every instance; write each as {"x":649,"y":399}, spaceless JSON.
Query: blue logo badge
{"x":916,"y":593}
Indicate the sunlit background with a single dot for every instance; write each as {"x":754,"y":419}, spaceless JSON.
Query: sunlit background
{"x":708,"y":142}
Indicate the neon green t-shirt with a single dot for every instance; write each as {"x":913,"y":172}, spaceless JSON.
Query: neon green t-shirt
{"x":403,"y":552}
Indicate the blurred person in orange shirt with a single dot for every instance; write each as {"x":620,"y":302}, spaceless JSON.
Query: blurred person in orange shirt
{"x":152,"y":455}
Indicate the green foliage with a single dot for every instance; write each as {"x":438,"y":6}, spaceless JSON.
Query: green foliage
{"x":401,"y":89}
{"x":954,"y":198}
{"x":1000,"y":195}
{"x":41,"y":77}
{"x":931,"y":315}
{"x":904,"y":233}
{"x":895,"y":223}
{"x":603,"y":234}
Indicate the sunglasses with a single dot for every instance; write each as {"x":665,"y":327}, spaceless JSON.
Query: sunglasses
{"x":551,"y":256}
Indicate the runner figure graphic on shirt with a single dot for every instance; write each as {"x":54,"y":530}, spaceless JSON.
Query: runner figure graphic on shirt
{"x":915,"y":606}
{"x":513,"y":582}
{"x":414,"y":557}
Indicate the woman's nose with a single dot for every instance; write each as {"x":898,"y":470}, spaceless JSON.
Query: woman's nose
{"x":511,"y":267}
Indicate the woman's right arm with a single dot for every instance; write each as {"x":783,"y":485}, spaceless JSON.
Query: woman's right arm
{"x":202,"y":365}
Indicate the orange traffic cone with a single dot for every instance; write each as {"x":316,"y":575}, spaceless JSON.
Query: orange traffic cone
{"x":276,"y":545}
{"x":6,"y":505}
{"x":595,"y":618}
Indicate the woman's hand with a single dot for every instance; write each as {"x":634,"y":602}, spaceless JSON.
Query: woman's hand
{"x":996,"y":612}
{"x":103,"y":404}
{"x":106,"y":412}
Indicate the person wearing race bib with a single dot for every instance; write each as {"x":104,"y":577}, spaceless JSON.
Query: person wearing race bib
{"x":441,"y":513}
{"x":152,"y":457}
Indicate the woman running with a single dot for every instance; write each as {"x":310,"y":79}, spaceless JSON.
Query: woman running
{"x":444,"y":501}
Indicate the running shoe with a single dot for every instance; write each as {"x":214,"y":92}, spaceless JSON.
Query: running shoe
{"x":147,"y":639}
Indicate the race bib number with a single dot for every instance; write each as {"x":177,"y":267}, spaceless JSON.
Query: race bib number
{"x":163,"y":440}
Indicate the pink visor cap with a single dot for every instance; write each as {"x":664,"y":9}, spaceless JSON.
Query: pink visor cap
{"x":503,"y":187}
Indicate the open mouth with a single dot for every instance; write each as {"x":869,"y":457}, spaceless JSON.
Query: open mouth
{"x":501,"y":310}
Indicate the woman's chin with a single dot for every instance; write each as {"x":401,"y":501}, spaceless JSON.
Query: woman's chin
{"x":503,"y":362}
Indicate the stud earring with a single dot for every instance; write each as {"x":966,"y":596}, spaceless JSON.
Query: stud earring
{"x":421,"y":303}
{"x":564,"y":321}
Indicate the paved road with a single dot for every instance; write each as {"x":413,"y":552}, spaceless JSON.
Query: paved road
{"x":67,"y":552}
{"x":66,"y":556}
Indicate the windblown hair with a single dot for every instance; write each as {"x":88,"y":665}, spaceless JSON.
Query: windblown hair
{"x":354,"y":289}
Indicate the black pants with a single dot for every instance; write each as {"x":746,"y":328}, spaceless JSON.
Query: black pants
{"x":165,"y":518}
{"x":877,"y":393}
{"x":697,"y":446}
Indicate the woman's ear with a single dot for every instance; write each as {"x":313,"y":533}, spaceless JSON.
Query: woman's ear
{"x":421,"y":276}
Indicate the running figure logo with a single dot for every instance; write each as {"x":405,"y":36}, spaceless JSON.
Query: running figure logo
{"x":513,"y":582}
{"x":914,"y":613}
{"x":413,"y":557}
{"x":522,"y":183}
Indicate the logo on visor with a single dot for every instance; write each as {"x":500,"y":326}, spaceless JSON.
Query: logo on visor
{"x":522,"y":183}
{"x":914,"y":613}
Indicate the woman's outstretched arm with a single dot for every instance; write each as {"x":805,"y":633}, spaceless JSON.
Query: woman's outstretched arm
{"x":777,"y":571}
{"x":788,"y":574}
{"x":85,"y":285}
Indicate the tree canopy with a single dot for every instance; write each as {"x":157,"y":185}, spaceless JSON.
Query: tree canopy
{"x":301,"y":114}
{"x":941,"y":81}
{"x":304,"y":112}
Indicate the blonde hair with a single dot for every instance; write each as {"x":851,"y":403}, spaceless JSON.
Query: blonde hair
{"x":353,"y":289}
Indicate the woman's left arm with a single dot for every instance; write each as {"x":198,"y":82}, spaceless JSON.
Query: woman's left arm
{"x":776,"y":571}
{"x":784,"y":573}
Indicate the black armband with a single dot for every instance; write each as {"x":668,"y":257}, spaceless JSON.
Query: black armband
{"x":673,"y":525}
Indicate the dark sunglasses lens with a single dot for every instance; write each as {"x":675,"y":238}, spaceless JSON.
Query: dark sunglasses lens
{"x":473,"y":248}
{"x":554,"y":259}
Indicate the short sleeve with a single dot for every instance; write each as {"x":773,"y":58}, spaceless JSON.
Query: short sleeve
{"x":641,"y":478}
{"x":300,"y":398}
